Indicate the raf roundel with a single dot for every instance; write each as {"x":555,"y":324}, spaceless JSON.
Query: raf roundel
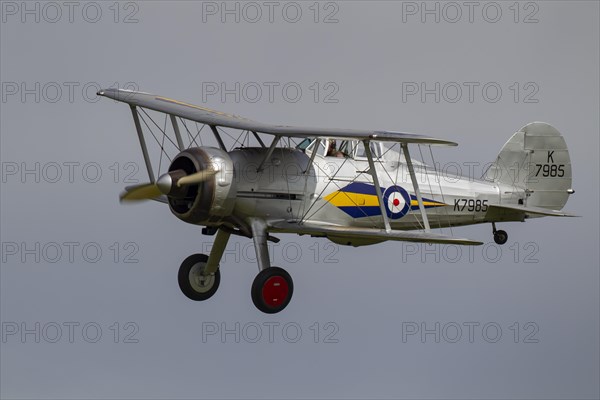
{"x":397,"y":202}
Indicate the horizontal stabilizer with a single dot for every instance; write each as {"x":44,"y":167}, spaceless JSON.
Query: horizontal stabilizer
{"x":368,"y":233}
{"x":515,"y":212}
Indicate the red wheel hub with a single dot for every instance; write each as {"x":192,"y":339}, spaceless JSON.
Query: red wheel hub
{"x":275,"y":291}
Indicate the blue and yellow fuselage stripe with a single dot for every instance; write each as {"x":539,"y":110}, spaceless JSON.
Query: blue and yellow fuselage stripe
{"x":360,"y":200}
{"x":357,"y":200}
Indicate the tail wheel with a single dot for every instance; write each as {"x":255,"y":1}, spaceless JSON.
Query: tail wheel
{"x":272,"y":290}
{"x":193,"y":283}
{"x":500,"y":237}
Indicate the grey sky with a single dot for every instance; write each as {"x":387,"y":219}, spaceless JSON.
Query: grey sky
{"x":363,"y":66}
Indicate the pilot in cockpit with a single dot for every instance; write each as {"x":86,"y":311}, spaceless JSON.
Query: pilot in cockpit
{"x":332,"y":151}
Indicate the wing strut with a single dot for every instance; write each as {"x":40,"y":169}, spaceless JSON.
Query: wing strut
{"x":312,"y":156}
{"x":262,"y":144}
{"x":138,"y":128}
{"x":269,"y":153}
{"x":373,"y":173}
{"x":218,"y":137}
{"x":413,"y":178}
{"x":177,"y":133}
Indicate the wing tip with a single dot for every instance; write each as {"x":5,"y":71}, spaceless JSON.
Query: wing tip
{"x":114,"y":93}
{"x":413,"y":138}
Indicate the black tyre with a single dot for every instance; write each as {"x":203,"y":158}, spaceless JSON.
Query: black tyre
{"x":500,"y":237}
{"x":272,"y":290}
{"x":191,"y":281}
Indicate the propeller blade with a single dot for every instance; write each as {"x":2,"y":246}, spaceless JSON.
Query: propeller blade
{"x":197,"y":177}
{"x":149,"y":191}
{"x":145,"y":191}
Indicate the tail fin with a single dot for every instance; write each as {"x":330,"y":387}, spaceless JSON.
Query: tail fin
{"x":535,"y":160}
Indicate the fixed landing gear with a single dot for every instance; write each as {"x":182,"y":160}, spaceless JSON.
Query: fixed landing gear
{"x":194,"y":282}
{"x":199,"y":274}
{"x":500,"y":236}
{"x":272,"y":289}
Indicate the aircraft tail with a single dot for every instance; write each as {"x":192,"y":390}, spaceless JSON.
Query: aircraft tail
{"x":535,"y":159}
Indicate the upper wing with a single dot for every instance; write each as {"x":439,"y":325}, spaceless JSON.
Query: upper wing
{"x":216,"y":118}
{"x":314,"y":229}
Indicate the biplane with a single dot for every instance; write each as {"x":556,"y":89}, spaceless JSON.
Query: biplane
{"x":354,"y":187}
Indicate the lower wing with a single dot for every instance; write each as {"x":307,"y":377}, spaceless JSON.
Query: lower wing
{"x":307,"y":228}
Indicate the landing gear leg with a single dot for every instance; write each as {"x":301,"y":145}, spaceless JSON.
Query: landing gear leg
{"x":218,"y":248}
{"x":500,"y":236}
{"x":273,"y":287}
{"x":199,"y":274}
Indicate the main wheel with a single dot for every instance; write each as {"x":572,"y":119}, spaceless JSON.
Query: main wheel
{"x":500,"y":237}
{"x":193,"y":283}
{"x":272,"y":290}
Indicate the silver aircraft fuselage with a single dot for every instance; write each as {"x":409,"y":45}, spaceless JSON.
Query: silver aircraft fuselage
{"x":340,"y":191}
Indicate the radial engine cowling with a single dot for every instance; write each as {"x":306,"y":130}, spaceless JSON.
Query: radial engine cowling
{"x":210,"y":201}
